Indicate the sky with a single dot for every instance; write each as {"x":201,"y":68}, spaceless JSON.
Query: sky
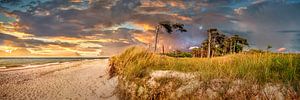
{"x":107,"y":27}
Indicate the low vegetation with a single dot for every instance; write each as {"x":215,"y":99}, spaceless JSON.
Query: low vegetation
{"x":136,"y":64}
{"x":258,"y":67}
{"x":178,"y":53}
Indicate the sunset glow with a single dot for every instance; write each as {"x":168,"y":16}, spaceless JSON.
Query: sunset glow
{"x":90,"y":27}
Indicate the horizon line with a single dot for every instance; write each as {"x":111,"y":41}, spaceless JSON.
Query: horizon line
{"x":54,"y":57}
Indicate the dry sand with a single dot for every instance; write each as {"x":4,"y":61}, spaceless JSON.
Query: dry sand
{"x":75,"y":80}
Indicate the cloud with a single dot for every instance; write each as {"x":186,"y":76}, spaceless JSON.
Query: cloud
{"x":281,"y":49}
{"x":6,"y":37}
{"x":103,"y":25}
{"x":264,"y":20}
{"x":289,"y":31}
{"x":239,"y":11}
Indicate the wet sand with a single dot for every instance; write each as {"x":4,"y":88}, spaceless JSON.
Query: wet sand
{"x":75,"y":80}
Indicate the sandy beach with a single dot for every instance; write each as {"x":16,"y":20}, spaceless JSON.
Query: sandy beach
{"x":78,"y":80}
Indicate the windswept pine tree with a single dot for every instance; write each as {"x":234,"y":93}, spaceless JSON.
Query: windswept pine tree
{"x":221,"y":44}
{"x":169,"y":28}
{"x":236,"y":43}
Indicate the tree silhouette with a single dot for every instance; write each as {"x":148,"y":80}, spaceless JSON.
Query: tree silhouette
{"x":169,"y":27}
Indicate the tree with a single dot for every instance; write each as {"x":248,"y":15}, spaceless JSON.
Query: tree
{"x":219,"y":44}
{"x":215,"y":42}
{"x":169,"y":27}
{"x":236,"y":43}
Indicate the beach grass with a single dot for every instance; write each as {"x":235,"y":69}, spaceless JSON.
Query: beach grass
{"x":137,"y":63}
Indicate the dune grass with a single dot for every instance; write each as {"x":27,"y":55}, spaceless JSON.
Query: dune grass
{"x":137,"y":63}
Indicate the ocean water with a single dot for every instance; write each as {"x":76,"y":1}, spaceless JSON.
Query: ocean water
{"x":9,"y":63}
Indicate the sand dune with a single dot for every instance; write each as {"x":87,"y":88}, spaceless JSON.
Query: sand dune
{"x":76,"y":80}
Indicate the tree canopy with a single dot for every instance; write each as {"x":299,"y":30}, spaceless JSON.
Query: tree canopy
{"x":222,"y":44}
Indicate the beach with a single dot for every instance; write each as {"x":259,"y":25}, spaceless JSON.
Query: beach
{"x":85,"y":79}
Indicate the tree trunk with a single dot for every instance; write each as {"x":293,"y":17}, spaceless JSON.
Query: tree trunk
{"x":231,"y":51}
{"x":234,"y":47}
{"x":156,"y":38}
{"x":163,"y":49}
{"x":209,"y":43}
{"x":201,"y":53}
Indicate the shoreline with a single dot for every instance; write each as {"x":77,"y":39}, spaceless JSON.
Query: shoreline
{"x":29,"y":66}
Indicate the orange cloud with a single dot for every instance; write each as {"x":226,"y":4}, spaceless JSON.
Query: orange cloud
{"x":146,"y":37}
{"x":166,"y":40}
{"x":153,"y":4}
{"x":15,"y":52}
{"x":76,"y":1}
{"x":83,"y":49}
{"x":12,"y":29}
{"x":65,"y":38}
{"x":144,"y":26}
{"x":79,"y":1}
{"x":177,"y":4}
{"x":165,"y":3}
{"x":8,"y":46}
{"x":181,"y":17}
{"x":62,"y":53}
{"x":9,"y":49}
{"x":53,"y":50}
{"x":74,"y":40}
{"x":8,"y":42}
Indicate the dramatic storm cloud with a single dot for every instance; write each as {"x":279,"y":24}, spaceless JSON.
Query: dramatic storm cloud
{"x":106,"y":27}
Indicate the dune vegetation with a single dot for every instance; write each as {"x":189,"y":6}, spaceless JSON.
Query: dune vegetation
{"x":228,"y":72}
{"x":136,"y":64}
{"x":261,"y":67}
